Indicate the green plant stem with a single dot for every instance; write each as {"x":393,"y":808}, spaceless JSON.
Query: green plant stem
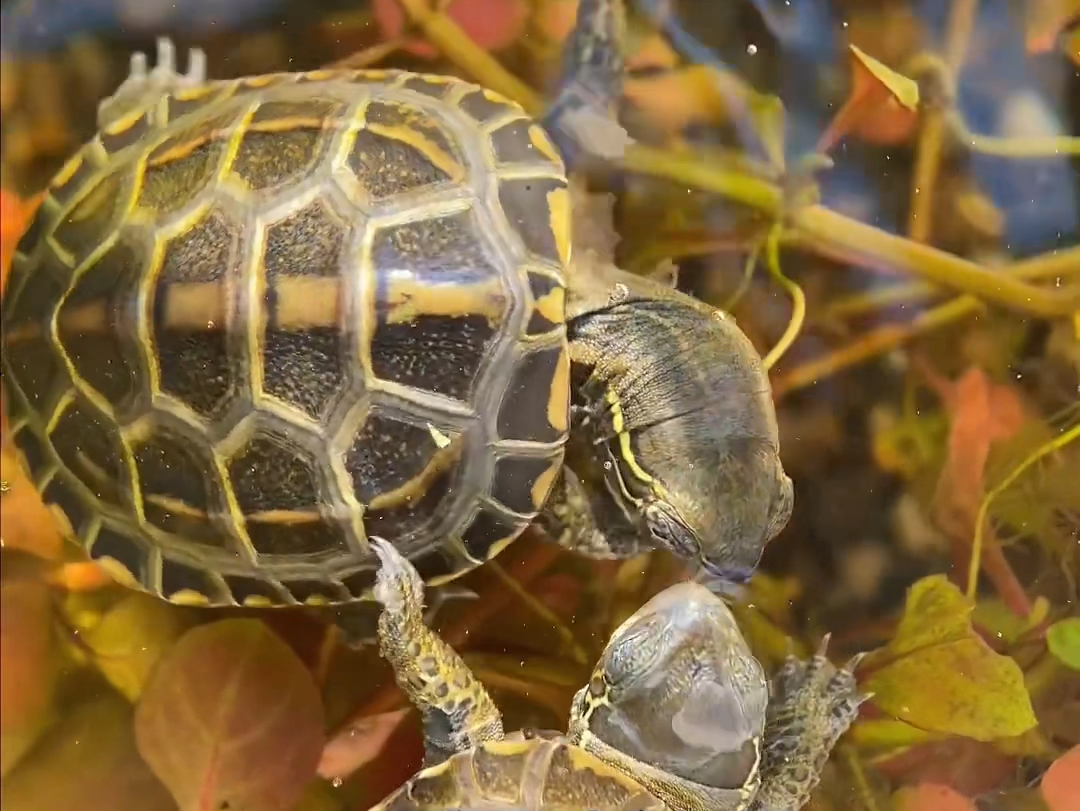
{"x":1064,"y":263}
{"x":1057,"y":443}
{"x":813,"y":226}
{"x":798,"y":298}
{"x":840,"y":237}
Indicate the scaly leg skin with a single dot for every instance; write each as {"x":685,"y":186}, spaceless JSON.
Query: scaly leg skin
{"x":570,"y":518}
{"x":143,"y":87}
{"x":584,"y":115}
{"x":359,"y":622}
{"x":812,"y":705}
{"x":457,"y":711}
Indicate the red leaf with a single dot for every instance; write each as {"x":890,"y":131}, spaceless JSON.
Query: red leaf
{"x":931,"y":797}
{"x":491,"y":24}
{"x":964,"y":765}
{"x":359,"y":743}
{"x":882,"y":107}
{"x":1061,"y":783}
{"x":231,"y":718}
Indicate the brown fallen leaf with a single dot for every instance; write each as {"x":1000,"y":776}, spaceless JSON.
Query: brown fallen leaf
{"x":981,"y":413}
{"x":882,"y":106}
{"x":967,"y":766}
{"x":939,"y":675}
{"x":231,"y":718}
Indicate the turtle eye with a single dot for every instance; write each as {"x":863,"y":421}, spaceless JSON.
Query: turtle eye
{"x":669,"y":532}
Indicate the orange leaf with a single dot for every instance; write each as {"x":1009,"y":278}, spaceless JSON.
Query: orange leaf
{"x":25,"y":648}
{"x":491,"y":24}
{"x":931,"y":797}
{"x":1045,"y":20}
{"x":982,"y":413}
{"x":14,"y":217}
{"x":882,"y":107}
{"x":28,"y":524}
{"x":1061,"y":784}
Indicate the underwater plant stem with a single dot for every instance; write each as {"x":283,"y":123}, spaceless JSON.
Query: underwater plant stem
{"x":458,"y":47}
{"x":849,"y":240}
{"x":1063,"y":263}
{"x":577,"y":652}
{"x":815,"y":225}
{"x":935,"y":124}
{"x":798,"y":298}
{"x":871,"y":344}
{"x":1056,"y":444}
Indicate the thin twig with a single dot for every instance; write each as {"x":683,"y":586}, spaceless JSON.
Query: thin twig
{"x":935,"y":124}
{"x":798,"y":298}
{"x":1056,"y":444}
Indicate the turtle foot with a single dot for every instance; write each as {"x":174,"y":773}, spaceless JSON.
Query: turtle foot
{"x":813,"y":704}
{"x":144,"y":86}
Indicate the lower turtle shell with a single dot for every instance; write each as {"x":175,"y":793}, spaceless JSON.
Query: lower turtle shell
{"x":258,"y":321}
{"x":522,"y":774}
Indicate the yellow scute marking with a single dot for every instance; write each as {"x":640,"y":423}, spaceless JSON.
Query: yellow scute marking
{"x":189,"y":597}
{"x":67,"y":171}
{"x":559,"y":205}
{"x":558,"y":412}
{"x":122,"y":125}
{"x":553,"y":306}
{"x":542,"y":144}
{"x":507,"y":748}
{"x":541,"y":488}
{"x":409,"y":299}
{"x":119,"y":572}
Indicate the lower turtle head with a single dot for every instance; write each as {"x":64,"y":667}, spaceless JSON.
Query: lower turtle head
{"x":678,"y":689}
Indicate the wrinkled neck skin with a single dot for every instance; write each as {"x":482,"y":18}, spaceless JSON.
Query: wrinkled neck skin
{"x":694,"y":408}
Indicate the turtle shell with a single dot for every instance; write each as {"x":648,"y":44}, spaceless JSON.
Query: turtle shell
{"x":259,"y":321}
{"x":522,"y":773}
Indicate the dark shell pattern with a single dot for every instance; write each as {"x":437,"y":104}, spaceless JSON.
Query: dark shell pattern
{"x":268,"y":318}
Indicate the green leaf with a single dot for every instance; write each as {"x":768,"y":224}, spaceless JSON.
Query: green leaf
{"x":1063,"y":640}
{"x":131,"y":638}
{"x":88,"y":762}
{"x":938,"y":674}
{"x":231,"y":718}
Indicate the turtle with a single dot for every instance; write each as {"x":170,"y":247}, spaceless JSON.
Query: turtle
{"x":676,"y":716}
{"x":257,"y":322}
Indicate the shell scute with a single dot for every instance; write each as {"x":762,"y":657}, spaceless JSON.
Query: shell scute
{"x":231,"y":303}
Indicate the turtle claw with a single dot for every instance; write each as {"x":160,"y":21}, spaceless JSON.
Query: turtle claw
{"x":145,"y":86}
{"x":814,"y":702}
{"x":398,"y":585}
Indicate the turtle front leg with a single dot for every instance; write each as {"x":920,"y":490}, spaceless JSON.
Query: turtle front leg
{"x":812,"y":705}
{"x":457,"y":711}
{"x":143,"y":87}
{"x":573,"y":520}
{"x":584,"y":116}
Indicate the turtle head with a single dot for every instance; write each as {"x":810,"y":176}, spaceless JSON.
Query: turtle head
{"x":706,"y":482}
{"x":678,"y":690}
